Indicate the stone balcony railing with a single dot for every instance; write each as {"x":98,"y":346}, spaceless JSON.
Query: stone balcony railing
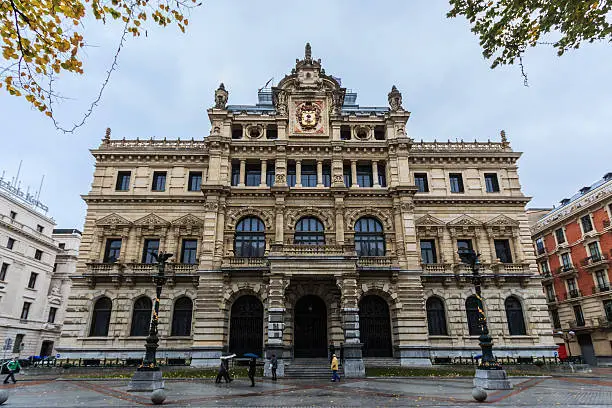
{"x":377,"y":262}
{"x":566,"y":271}
{"x":311,"y":250}
{"x":244,"y":262}
{"x":141,"y":269}
{"x":594,"y":261}
{"x":435,"y":268}
{"x":461,"y":146}
{"x":151,"y":144}
{"x":599,"y":288}
{"x":604,"y":321}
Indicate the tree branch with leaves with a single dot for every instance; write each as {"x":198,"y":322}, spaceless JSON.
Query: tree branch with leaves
{"x":507,"y":28}
{"x":42,"y":39}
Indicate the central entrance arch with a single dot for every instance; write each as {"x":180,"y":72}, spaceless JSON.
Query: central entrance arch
{"x":246,"y":326}
{"x":310,"y":334}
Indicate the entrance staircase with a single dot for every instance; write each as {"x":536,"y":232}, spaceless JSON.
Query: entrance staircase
{"x":309,"y":368}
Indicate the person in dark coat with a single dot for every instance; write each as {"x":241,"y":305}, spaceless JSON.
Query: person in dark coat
{"x":273,"y":366}
{"x":223,"y":373}
{"x":251,"y":372}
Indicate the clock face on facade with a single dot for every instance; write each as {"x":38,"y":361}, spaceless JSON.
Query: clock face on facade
{"x":309,"y":117}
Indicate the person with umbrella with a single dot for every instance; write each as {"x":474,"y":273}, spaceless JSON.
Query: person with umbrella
{"x":224,"y":370}
{"x":252,"y":366}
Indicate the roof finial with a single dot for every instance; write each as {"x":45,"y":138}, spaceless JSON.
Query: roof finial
{"x":221,"y":97}
{"x":106,"y":139}
{"x":504,"y":140}
{"x":395,"y":99}
{"x":308,"y":52}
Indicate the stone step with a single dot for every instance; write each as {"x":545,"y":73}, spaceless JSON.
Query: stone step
{"x":309,"y":368}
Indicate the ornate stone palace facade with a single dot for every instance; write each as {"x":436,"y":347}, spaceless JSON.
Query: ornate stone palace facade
{"x":301,"y":221}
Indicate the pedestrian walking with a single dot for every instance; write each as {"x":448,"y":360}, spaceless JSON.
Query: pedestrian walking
{"x":273,"y":366}
{"x":13,"y":366}
{"x":334,"y":368}
{"x":251,"y":372}
{"x":223,"y":373}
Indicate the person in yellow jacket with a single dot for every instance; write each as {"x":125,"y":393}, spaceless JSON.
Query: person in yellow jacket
{"x":334,"y":368}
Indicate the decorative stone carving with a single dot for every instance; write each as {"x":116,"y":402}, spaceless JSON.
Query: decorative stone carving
{"x":113,"y":220}
{"x":279,"y":179}
{"x":325,"y":216}
{"x":465,"y":221}
{"x":211,"y":206}
{"x":395,"y":100}
{"x":188,"y":220}
{"x":234,"y":215}
{"x":279,"y":99}
{"x":151,"y":220}
{"x":221,"y":96}
{"x":382,"y":215}
{"x":429,"y":220}
{"x":502,"y":221}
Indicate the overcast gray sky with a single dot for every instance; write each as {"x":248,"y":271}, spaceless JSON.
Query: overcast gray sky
{"x":166,"y":81}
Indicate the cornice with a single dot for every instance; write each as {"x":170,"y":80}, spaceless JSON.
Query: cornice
{"x":444,"y":200}
{"x":50,"y":243}
{"x":96,"y":198}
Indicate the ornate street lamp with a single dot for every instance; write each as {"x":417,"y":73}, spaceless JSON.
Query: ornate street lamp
{"x":148,"y":376}
{"x":489,"y":374}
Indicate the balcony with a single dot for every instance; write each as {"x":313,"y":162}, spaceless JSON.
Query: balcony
{"x":376,"y":262}
{"x":541,"y":252}
{"x":311,"y":250}
{"x":575,"y":324}
{"x":606,"y":223}
{"x":594,"y":261}
{"x":119,"y":273}
{"x":566,"y":271}
{"x":551,"y":299}
{"x":434,"y":268}
{"x":547,"y":277}
{"x":604,"y":322}
{"x":236,"y":262}
{"x":601,"y":288}
{"x":510,"y":268}
{"x":573,"y":294}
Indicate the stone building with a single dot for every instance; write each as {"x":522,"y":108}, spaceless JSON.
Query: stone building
{"x":34,"y":269}
{"x":301,"y":221}
{"x":573,"y":245}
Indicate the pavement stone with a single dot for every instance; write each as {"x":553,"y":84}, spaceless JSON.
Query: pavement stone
{"x":369,"y":392}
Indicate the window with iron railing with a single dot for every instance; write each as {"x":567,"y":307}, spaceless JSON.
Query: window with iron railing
{"x":566,"y":262}
{"x":540,"y":246}
{"x":587,"y":225}
{"x":594,"y":251}
{"x":579,"y":316}
{"x":560,"y":235}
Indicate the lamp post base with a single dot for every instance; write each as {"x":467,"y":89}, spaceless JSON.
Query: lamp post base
{"x":492,"y":380}
{"x":146,"y":380}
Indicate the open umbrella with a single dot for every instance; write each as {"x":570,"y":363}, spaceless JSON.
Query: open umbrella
{"x":227,"y":357}
{"x":251,"y":355}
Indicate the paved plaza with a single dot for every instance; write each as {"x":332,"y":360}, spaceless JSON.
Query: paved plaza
{"x":370,"y":392}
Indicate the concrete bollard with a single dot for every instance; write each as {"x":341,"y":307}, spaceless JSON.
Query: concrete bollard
{"x":158,"y":396}
{"x":479,"y":394}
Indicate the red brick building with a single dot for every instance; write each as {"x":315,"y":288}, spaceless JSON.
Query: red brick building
{"x":573,"y":244}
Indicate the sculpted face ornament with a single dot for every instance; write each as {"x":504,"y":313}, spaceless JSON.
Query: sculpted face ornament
{"x":308,"y":115}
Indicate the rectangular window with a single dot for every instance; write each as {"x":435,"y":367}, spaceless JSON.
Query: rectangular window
{"x":364,"y":175}
{"x":40,"y":228}
{"x":55,"y":267}
{"x":52,"y":313}
{"x":345,"y":132}
{"x":420,"y":180}
{"x":464,"y":244}
{"x":608,"y":309}
{"x":3,"y":271}
{"x":62,"y":245}
{"x":237,"y":132}
{"x":587,"y":225}
{"x":17,"y":343}
{"x":195,"y":181}
{"x":571,"y":284}
{"x":272,"y":132}
{"x":270,"y":174}
{"x":491,"y":183}
{"x":112,"y":250}
{"x":566,"y":261}
{"x":600,"y":277}
{"x":150,"y":248}
{"x":456,"y":182}
{"x":10,"y":243}
{"x":347,"y":175}
{"x":188,"y":251}
{"x":379,"y":133}
{"x":253,"y":174}
{"x":309,"y":175}
{"x":502,"y":250}
{"x":38,"y":254}
{"x":159,"y":181}
{"x":428,"y":251}
{"x":13,"y":215}
{"x":25,"y":311}
{"x":235,"y":174}
{"x":123,"y":181}
{"x":550,"y":293}
{"x":326,"y":175}
{"x":291,"y":178}
{"x":32,"y":281}
{"x":544,"y":267}
{"x":382,"y":174}
{"x":555,"y":319}
{"x":579,"y":315}
{"x":560,"y":236}
{"x":540,"y":246}
{"x":594,"y":251}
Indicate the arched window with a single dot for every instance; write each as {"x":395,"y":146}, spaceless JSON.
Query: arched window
{"x":250,"y":240}
{"x":473,"y":316}
{"x":369,"y":237}
{"x":181,"y":318}
{"x":100,"y":319}
{"x":514,"y":314}
{"x":141,"y":317}
{"x":436,"y":317}
{"x":309,"y":231}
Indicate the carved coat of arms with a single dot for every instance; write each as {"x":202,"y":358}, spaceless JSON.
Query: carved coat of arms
{"x":308,"y":115}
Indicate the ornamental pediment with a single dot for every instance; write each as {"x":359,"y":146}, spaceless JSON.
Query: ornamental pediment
{"x":429,"y":221}
{"x":502,"y":221}
{"x":113,"y":220}
{"x":188,"y":220}
{"x":465,"y":221}
{"x":151,"y":220}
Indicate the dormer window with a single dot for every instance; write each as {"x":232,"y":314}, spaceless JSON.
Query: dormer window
{"x":565,"y":201}
{"x":585,"y":190}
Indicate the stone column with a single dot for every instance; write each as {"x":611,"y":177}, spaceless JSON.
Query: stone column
{"x":264,"y":170}
{"x":353,"y":359}
{"x":242,"y":172}
{"x":280,"y":222}
{"x":354,"y":173}
{"x":375,"y":173}
{"x":276,"y":324}
{"x":298,"y":173}
{"x":339,"y":206}
{"x":319,"y":173}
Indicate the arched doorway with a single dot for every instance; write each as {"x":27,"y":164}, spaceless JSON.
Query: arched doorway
{"x":246,"y":326}
{"x":310,"y":334}
{"x":375,"y":327}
